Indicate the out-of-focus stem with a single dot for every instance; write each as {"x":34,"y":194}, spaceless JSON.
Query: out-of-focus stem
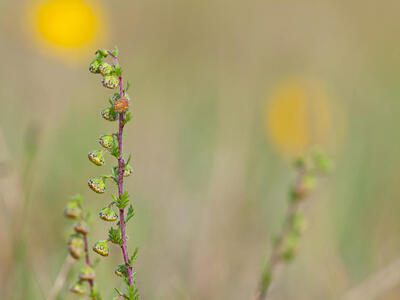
{"x":62,"y":275}
{"x":275,"y":257}
{"x":87,"y":260}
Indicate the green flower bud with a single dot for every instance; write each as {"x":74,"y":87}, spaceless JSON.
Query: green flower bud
{"x":109,"y":114}
{"x":94,"y":66}
{"x":72,"y":210}
{"x":86,"y":273}
{"x":105,"y":69}
{"x":115,"y":97}
{"x":110,"y":81}
{"x":108,"y":214}
{"x":322,"y":162}
{"x":97,"y":185}
{"x":78,"y":288}
{"x":101,"y":248}
{"x":75,"y":246}
{"x":127,"y":170}
{"x":81,"y":227}
{"x":96,"y":157}
{"x":107,"y":140}
{"x":120,"y":271}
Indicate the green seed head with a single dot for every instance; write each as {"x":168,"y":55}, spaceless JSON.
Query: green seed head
{"x":94,"y":66}
{"x":81,"y":227}
{"x":108,"y":214}
{"x":110,"y":81}
{"x":120,"y":271}
{"x":78,"y":288}
{"x":105,"y":68}
{"x":75,"y":246}
{"x":86,"y":273}
{"x":101,"y":248}
{"x":107,"y":140}
{"x":97,"y":185}
{"x":72,"y":210}
{"x":96,"y":157}
{"x":109,"y":114}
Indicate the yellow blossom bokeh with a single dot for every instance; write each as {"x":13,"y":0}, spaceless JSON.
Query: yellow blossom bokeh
{"x":66,"y":26}
{"x":298,"y":115}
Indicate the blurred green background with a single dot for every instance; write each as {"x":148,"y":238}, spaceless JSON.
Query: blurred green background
{"x":225,"y":94}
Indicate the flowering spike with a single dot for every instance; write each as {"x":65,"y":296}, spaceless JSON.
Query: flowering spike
{"x":101,"y":248}
{"x":97,"y":185}
{"x":86,"y":273}
{"x":110,"y":81}
{"x":108,"y":214}
{"x":96,"y":157}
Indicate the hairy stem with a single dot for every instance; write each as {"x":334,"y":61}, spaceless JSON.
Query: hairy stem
{"x":121,"y":167}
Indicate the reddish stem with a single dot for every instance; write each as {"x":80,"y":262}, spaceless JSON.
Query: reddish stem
{"x":121,"y":167}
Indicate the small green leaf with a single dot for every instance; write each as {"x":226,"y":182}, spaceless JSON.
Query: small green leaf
{"x":114,"y":151}
{"x":128,"y":160}
{"x":119,"y":292}
{"x":128,"y":117}
{"x":130,"y":214}
{"x":96,"y":262}
{"x":102,"y":52}
{"x":133,"y":257}
{"x":77,"y":198}
{"x":117,"y":70}
{"x":128,"y":85}
{"x":123,"y":201}
{"x":115,"y":52}
{"x":115,"y":236}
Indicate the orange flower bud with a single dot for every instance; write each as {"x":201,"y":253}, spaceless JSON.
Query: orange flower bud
{"x":121,"y":105}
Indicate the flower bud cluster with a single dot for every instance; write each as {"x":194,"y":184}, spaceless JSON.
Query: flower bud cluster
{"x":117,"y":109}
{"x":77,"y":247}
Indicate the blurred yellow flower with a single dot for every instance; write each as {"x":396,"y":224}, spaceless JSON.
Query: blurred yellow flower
{"x":66,"y":25}
{"x":298,"y":115}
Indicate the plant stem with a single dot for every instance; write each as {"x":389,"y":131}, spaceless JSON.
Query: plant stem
{"x":87,"y":259}
{"x":61,"y":277}
{"x":275,"y":257}
{"x":121,"y":167}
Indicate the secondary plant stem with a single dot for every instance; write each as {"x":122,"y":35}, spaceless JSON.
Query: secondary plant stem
{"x":275,"y":257}
{"x":87,"y":260}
